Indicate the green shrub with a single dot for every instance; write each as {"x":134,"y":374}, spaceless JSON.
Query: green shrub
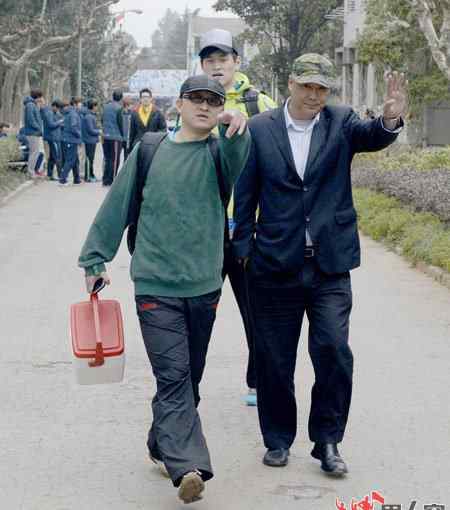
{"x":9,"y":179}
{"x":402,"y":157}
{"x":421,"y":236}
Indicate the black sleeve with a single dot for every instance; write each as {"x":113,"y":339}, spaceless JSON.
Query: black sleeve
{"x":132,"y":130}
{"x":120,"y":120}
{"x":246,"y":198}
{"x":162,"y":126}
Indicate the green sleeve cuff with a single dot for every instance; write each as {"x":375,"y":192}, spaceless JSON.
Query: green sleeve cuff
{"x":95,"y":270}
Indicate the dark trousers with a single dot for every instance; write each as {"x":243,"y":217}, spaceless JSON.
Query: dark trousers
{"x":70,"y":151}
{"x":54,"y":158}
{"x":111,"y":153}
{"x":278,"y":314}
{"x":239,"y":283}
{"x":176,"y":334}
{"x":89,"y":162}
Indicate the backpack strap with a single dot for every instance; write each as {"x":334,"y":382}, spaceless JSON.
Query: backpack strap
{"x":147,"y":149}
{"x":250,"y":98}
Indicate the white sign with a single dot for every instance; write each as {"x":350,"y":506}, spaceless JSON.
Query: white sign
{"x":162,"y":82}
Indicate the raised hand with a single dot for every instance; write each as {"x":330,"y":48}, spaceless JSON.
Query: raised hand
{"x":235,"y":120}
{"x":396,"y":101}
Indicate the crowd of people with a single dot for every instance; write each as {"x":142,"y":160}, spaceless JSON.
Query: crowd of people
{"x":61,"y":138}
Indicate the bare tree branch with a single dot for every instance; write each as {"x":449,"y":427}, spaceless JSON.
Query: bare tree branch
{"x":439,"y":46}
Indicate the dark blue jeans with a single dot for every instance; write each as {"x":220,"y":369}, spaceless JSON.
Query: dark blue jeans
{"x":70,"y":151}
{"x":278,"y":315}
{"x":176,"y":334}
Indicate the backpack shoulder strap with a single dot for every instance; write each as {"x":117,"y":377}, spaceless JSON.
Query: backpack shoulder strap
{"x":149,"y":145}
{"x":250,"y":98}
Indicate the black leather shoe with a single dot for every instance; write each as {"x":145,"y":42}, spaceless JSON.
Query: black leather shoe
{"x":276,"y":458}
{"x":332,"y":463}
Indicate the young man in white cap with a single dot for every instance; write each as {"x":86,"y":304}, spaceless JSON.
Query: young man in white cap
{"x":176,"y":265}
{"x":220,"y":61}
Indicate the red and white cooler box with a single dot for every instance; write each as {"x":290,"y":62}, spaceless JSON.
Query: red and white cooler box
{"x":97,"y":341}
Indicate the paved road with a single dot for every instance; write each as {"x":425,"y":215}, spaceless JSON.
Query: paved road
{"x":64,"y":447}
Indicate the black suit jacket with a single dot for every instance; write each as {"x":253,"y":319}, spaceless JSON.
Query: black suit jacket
{"x":156,"y":122}
{"x":322,"y":201}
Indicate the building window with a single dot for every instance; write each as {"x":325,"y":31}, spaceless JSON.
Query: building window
{"x":351,"y":5}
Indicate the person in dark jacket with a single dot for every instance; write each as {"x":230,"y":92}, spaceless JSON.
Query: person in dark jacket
{"x":52,"y":122}
{"x":124,"y":121}
{"x":32,"y":123}
{"x":145,"y":118}
{"x":300,"y":249}
{"x":112,"y":138}
{"x":71,"y":139}
{"x":90,"y":134}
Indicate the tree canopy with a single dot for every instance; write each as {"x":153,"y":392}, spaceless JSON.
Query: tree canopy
{"x":283,"y":28}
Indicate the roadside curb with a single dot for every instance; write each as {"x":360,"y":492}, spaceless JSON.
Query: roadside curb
{"x":24,"y":186}
{"x":434,"y":272}
{"x":438,"y":274}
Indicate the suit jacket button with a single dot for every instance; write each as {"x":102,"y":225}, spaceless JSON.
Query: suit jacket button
{"x":305,"y":188}
{"x":308,"y":219}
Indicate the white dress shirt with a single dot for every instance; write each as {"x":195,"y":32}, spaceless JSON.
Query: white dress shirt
{"x":300,"y":133}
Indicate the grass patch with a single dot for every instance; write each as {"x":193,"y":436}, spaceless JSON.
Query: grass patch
{"x":399,"y":157}
{"x":9,"y":179}
{"x":421,"y":236}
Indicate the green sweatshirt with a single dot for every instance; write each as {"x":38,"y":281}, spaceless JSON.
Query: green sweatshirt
{"x":179,"y":242}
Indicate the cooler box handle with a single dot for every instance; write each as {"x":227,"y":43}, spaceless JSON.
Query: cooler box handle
{"x":99,"y":354}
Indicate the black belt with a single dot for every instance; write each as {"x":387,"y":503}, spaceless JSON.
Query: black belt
{"x":309,"y":252}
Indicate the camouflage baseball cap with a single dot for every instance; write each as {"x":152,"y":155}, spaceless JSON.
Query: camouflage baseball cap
{"x":314,"y":68}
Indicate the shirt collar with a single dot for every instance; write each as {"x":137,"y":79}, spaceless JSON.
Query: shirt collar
{"x":290,"y":123}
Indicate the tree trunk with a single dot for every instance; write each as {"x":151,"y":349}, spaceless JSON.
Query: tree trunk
{"x":46,"y":81}
{"x":7,"y":93}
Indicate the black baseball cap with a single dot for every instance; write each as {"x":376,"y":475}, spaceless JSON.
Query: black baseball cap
{"x":202,"y":82}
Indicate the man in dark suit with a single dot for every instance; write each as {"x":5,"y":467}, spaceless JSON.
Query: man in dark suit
{"x":299,"y":251}
{"x":145,"y":118}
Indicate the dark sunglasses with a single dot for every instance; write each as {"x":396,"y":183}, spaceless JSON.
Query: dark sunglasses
{"x":212,"y":100}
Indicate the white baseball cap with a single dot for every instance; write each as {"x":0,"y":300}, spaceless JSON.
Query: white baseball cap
{"x":216,"y":38}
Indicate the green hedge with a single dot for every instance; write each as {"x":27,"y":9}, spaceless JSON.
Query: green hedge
{"x":421,"y":236}
{"x":9,"y":179}
{"x":399,"y":157}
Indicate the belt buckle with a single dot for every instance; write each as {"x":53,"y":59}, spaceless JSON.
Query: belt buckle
{"x":309,"y":253}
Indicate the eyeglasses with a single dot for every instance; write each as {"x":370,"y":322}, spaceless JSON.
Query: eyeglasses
{"x":212,"y":100}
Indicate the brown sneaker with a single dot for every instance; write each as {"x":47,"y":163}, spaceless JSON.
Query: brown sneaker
{"x":191,"y":487}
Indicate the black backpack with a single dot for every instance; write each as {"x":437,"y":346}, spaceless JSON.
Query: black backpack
{"x":149,"y":145}
{"x":250,"y":98}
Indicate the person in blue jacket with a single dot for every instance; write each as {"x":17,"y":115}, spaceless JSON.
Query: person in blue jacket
{"x":90,"y":135}
{"x":112,"y":138}
{"x":32,"y":123}
{"x":71,"y":139}
{"x":53,"y":121}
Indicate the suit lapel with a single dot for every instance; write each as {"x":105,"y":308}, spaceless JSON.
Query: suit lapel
{"x":279,"y":132}
{"x":318,"y":140}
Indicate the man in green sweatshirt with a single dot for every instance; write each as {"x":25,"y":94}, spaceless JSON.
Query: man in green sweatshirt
{"x":176,"y":267}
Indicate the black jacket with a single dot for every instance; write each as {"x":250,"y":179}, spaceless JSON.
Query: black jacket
{"x":156,"y":122}
{"x":323,"y":200}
